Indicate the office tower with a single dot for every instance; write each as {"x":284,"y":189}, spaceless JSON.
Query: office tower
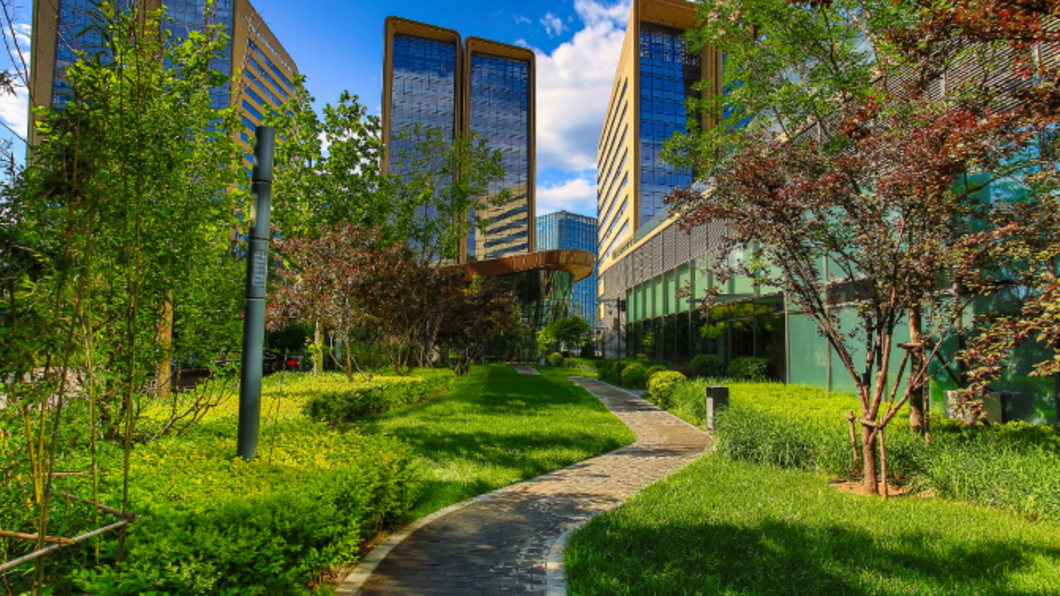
{"x":268,"y":70}
{"x":432,"y":77}
{"x":565,"y":230}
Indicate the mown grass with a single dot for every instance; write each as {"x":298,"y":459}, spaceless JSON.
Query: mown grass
{"x":498,"y":427}
{"x":726,"y":527}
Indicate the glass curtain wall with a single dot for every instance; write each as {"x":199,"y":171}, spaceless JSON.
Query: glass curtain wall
{"x":424,"y":93}
{"x":500,"y":114}
{"x":563,"y":230}
{"x":668,"y":72}
{"x":75,"y":18}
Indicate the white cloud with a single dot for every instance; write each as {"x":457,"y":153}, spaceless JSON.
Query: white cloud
{"x":577,"y":195}
{"x":574,"y":86}
{"x":521,"y":20}
{"x":14,"y":109}
{"x":553,"y":24}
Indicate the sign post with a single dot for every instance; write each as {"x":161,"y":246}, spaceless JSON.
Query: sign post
{"x":254,"y":309}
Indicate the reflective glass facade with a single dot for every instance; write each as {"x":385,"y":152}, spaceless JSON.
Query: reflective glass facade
{"x":544,"y":296}
{"x":499,"y":112}
{"x":572,"y":231}
{"x":668,"y":71}
{"x":424,"y":87}
{"x":187,"y":15}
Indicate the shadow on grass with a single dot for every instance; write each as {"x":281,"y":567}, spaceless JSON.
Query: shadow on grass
{"x":498,"y":427}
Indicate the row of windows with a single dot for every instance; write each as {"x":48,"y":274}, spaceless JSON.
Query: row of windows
{"x":609,"y":195}
{"x":254,"y":65}
{"x":610,"y":149}
{"x":261,"y":87}
{"x":611,"y":245}
{"x":610,"y":123}
{"x":613,"y":203}
{"x":618,"y":216}
{"x":254,"y":48}
{"x":611,"y":168}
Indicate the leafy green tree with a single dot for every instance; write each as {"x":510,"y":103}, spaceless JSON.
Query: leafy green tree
{"x":833,"y":142}
{"x":567,"y":333}
{"x":127,"y":207}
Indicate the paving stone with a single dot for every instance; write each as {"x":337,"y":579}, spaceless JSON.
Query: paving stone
{"x":501,"y":544}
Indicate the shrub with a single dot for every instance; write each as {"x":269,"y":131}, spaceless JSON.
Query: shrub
{"x":335,"y":400}
{"x":588,"y":351}
{"x":708,"y":366}
{"x":582,"y":364}
{"x":656,"y":368}
{"x":213,"y":524}
{"x":635,"y":376}
{"x":661,"y":386}
{"x":748,"y":368}
{"x":555,"y":359}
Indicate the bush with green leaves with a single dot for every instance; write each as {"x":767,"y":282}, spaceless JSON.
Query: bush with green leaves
{"x":584,"y":364}
{"x":655,"y":368}
{"x":214,"y":524}
{"x":337,"y":400}
{"x":749,"y":368}
{"x":709,"y":366}
{"x":635,"y":376}
{"x":555,"y":359}
{"x":662,"y":384}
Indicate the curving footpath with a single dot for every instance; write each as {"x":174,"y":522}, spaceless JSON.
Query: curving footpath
{"x":511,"y":541}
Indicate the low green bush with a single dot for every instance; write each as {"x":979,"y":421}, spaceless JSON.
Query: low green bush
{"x":708,"y":365}
{"x":584,"y":364}
{"x":555,"y":359}
{"x":748,"y":368}
{"x":635,"y":376}
{"x":215,"y":524}
{"x":1014,"y":466}
{"x":661,"y":386}
{"x":655,"y":368}
{"x":336,"y":400}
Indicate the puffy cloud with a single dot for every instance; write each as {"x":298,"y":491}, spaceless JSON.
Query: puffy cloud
{"x":14,"y":109}
{"x":574,"y":85}
{"x":553,"y":24}
{"x":577,"y":195}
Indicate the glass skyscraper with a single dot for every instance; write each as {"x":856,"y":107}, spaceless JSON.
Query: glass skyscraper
{"x":267,"y":70}
{"x":565,"y":230}
{"x":433,"y":78}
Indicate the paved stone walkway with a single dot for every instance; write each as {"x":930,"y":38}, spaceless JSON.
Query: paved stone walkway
{"x":510,"y":541}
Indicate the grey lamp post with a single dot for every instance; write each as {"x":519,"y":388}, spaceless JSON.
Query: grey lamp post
{"x":254,"y":310}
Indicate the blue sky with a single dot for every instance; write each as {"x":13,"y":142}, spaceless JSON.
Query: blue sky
{"x":339,"y":45}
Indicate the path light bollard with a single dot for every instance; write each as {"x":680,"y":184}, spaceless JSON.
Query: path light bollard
{"x":717,"y":400}
{"x":254,"y":310}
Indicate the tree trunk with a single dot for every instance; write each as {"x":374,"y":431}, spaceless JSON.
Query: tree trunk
{"x":868,"y":460}
{"x":917,"y":385}
{"x":164,"y":370}
{"x":318,"y":341}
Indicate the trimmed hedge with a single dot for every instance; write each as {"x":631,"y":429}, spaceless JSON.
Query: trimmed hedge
{"x":215,"y":524}
{"x":336,"y":400}
{"x":635,"y":375}
{"x":555,"y":359}
{"x":708,"y":365}
{"x":748,"y":368}
{"x":661,"y":386}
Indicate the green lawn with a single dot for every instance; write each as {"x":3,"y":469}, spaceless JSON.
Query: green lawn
{"x":498,"y":427}
{"x":724,"y":527}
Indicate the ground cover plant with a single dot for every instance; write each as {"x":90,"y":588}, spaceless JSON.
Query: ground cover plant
{"x":726,"y":527}
{"x":1015,"y":466}
{"x":214,"y":524}
{"x":496,"y":428}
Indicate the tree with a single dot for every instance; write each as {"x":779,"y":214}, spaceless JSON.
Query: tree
{"x":829,"y":145}
{"x":567,"y":333}
{"x":125,"y":210}
{"x":479,"y":312}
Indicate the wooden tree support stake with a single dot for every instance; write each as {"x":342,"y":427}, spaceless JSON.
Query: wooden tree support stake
{"x":51,"y":539}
